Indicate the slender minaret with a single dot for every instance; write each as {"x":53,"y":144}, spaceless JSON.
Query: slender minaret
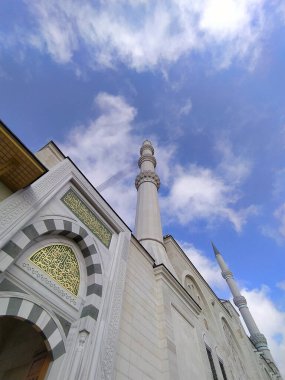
{"x":256,"y":337}
{"x":148,"y":224}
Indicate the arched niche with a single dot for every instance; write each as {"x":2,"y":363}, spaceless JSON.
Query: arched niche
{"x":194,"y":290}
{"x":62,"y":228}
{"x":233,"y":351}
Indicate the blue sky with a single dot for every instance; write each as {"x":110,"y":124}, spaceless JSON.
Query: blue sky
{"x":205,"y":82}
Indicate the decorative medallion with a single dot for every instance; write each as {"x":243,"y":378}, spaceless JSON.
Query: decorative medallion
{"x":86,"y":216}
{"x":60,"y":263}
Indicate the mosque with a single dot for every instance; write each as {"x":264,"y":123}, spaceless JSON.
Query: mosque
{"x":82,"y":297}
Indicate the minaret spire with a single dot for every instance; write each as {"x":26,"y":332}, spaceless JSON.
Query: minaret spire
{"x":148,"y":228}
{"x":256,"y":337}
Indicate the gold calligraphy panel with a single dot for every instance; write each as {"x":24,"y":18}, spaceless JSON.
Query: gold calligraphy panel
{"x":78,"y":207}
{"x":60,"y":263}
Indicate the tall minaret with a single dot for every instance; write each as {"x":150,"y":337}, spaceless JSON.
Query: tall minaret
{"x":148,"y":224}
{"x":256,"y":337}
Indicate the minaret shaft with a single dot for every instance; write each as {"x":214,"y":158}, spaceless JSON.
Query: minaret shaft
{"x":148,"y":223}
{"x":257,"y":338}
{"x":148,"y":229}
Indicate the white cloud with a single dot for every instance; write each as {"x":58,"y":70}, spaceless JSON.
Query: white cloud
{"x":200,"y":194}
{"x":147,"y":34}
{"x":270,"y":320}
{"x":107,"y":149}
{"x":109,"y":146}
{"x":235,"y":168}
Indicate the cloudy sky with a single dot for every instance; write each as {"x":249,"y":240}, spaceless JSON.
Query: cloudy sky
{"x":204,"y":81}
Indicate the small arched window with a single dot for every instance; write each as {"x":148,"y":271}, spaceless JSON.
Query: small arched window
{"x":193,"y":289}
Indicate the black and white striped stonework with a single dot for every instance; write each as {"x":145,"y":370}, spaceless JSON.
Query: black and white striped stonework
{"x":24,"y":239}
{"x":35,"y":314}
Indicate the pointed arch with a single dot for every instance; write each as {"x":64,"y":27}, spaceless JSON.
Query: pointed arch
{"x":72,"y":230}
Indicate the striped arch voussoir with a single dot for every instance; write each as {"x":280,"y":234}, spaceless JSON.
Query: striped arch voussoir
{"x":33,"y":313}
{"x":72,"y":231}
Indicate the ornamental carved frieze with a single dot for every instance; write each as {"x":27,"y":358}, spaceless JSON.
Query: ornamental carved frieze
{"x":258,"y":340}
{"x":240,"y":301}
{"x":87,"y":217}
{"x":227,"y":274}
{"x":147,"y":176}
{"x":147,"y":157}
{"x":146,"y":145}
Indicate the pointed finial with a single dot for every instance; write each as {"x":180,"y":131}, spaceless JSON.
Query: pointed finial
{"x":215,"y":249}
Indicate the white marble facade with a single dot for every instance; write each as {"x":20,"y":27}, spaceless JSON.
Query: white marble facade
{"x":142,"y":311}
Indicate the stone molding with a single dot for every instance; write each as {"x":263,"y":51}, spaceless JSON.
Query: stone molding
{"x":12,"y":208}
{"x":110,"y":350}
{"x":35,"y":314}
{"x":162,"y":273}
{"x":147,"y":157}
{"x":147,"y":176}
{"x":18,"y":209}
{"x":240,"y":301}
{"x":259,"y":340}
{"x":227,"y":274}
{"x":50,"y":283}
{"x":146,"y":145}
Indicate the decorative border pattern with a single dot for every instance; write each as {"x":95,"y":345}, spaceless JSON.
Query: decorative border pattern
{"x":87,"y":217}
{"x":49,"y":283}
{"x":80,"y":236}
{"x":35,"y":314}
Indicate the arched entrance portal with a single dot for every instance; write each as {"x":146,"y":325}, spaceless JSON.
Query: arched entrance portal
{"x":23,"y":352}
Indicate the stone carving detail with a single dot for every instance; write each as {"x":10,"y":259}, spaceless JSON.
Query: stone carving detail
{"x":146,"y":158}
{"x":49,"y":283}
{"x":87,"y":217}
{"x":240,"y":301}
{"x":227,"y":274}
{"x":20,"y":202}
{"x":77,"y":361}
{"x":147,"y":176}
{"x":146,"y":145}
{"x":60,"y":263}
{"x":114,"y":323}
{"x":259,"y":340}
